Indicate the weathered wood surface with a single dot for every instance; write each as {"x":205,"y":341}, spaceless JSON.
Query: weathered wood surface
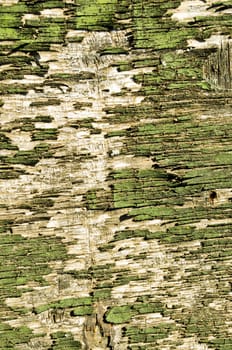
{"x":115,"y":149}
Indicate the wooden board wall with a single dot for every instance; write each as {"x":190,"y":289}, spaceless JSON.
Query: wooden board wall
{"x":115,"y":174}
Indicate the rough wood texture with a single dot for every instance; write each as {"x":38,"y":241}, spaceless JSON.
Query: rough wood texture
{"x":115,"y":149}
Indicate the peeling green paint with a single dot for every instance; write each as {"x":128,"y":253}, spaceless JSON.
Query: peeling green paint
{"x":82,"y":311}
{"x":124,"y":313}
{"x":148,"y":335}
{"x":44,"y":134}
{"x":119,"y":314}
{"x":29,"y":157}
{"x":63,"y":341}
{"x":5,"y":143}
{"x":66,"y":303}
{"x":23,"y":260}
{"x":103,"y":293}
{"x":96,"y":16}
{"x":187,"y":140}
{"x":11,"y":337}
